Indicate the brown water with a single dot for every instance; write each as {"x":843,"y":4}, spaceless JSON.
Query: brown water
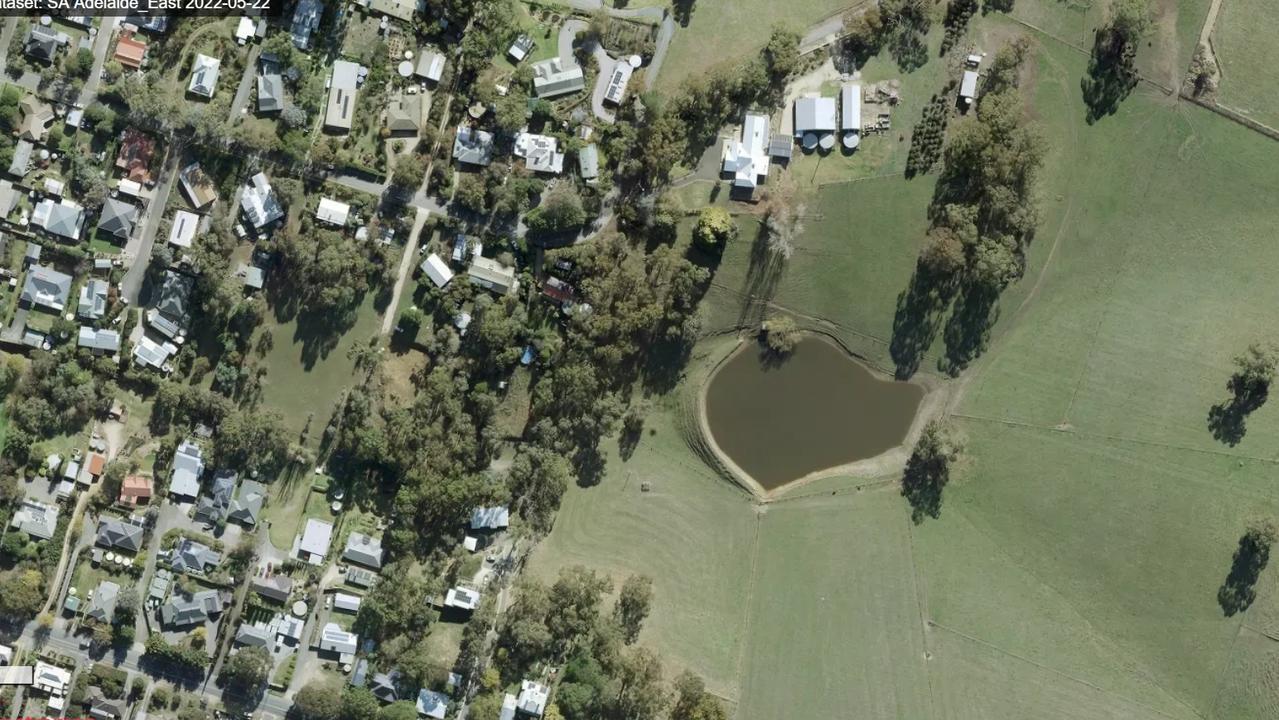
{"x":817,"y":409}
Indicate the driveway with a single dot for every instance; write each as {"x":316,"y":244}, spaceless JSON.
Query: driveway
{"x":101,"y":44}
{"x":606,"y":63}
{"x":246,"y":83}
{"x":138,"y":249}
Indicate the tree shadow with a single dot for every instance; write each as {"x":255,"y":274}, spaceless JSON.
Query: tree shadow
{"x":1238,"y":591}
{"x":1111,"y":75}
{"x":762,"y":276}
{"x":1227,"y":420}
{"x":968,"y":330}
{"x":920,"y":308}
{"x":682,"y":11}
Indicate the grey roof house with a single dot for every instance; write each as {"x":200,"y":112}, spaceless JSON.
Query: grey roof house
{"x":41,"y":43}
{"x":98,"y":341}
{"x":276,"y":587}
{"x":102,"y":608}
{"x":119,"y":535}
{"x":212,"y":507}
{"x":253,"y":636}
{"x":363,"y":549}
{"x":46,"y":288}
{"x":473,"y":147}
{"x":270,"y":92}
{"x":193,"y":557}
{"x":117,"y":219}
{"x":36,"y":519}
{"x":64,"y":218}
{"x":306,"y":19}
{"x":432,"y":704}
{"x":21,"y":158}
{"x":383,"y":686}
{"x":204,"y":75}
{"x":93,"y":299}
{"x":182,"y":612}
{"x":247,"y":505}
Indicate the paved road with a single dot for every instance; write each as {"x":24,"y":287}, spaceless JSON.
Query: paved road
{"x":6,"y":37}
{"x":101,"y":45}
{"x":138,"y":249}
{"x":246,"y":83}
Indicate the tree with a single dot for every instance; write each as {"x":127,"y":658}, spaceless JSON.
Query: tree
{"x":633,"y":604}
{"x":781,"y":54}
{"x":715,"y":228}
{"x":784,"y":224}
{"x":1203,"y":71}
{"x":401,"y":710}
{"x":576,"y":597}
{"x":928,"y":470}
{"x":637,"y":686}
{"x":408,"y":174}
{"x":1251,"y":557}
{"x":559,"y":212}
{"x":523,"y":634}
{"x":359,"y":704}
{"x":692,"y":702}
{"x":943,"y":253}
{"x":23,"y":594}
{"x":1254,"y":372}
{"x":248,"y":669}
{"x":318,"y":700}
{"x":781,"y":335}
{"x":1129,"y":20}
{"x":471,"y":193}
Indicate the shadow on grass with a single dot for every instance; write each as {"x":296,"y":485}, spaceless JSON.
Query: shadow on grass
{"x":1111,"y":75}
{"x":968,"y":330}
{"x":922,"y":485}
{"x":1239,"y":589}
{"x":920,"y":308}
{"x":762,"y":277}
{"x":1227,"y":421}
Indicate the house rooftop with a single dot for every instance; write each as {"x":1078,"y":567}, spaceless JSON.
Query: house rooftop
{"x":313,"y":544}
{"x":473,"y":147}
{"x":204,"y":76}
{"x":340,"y":111}
{"x":363,"y":549}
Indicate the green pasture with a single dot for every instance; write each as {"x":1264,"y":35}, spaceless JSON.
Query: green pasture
{"x":1245,"y":43}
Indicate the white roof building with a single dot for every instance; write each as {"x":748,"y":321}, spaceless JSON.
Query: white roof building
{"x":184,"y":227}
{"x":492,"y":275}
{"x":129,"y":187}
{"x":259,"y":202}
{"x":149,"y":353}
{"x":332,"y":212}
{"x":462,"y":598}
{"x":436,"y":269}
{"x":532,"y":698}
{"x":540,"y":153}
{"x":814,"y":114}
{"x":552,"y":78}
{"x":617,"y":82}
{"x":968,"y":86}
{"x":432,"y":704}
{"x":313,"y":544}
{"x":747,"y":159}
{"x":204,"y":76}
{"x":335,"y":640}
{"x":850,"y":120}
{"x":430,"y":65}
{"x":342,"y":94}
{"x":188,"y":466}
{"x":346,"y":602}
{"x":50,"y":679}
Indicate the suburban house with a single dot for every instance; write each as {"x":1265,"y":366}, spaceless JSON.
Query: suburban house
{"x":312,"y":544}
{"x":36,"y":519}
{"x":404,"y":115}
{"x":618,"y":81}
{"x":158,"y":24}
{"x":93,"y":299}
{"x":197,"y":609}
{"x":253,"y":276}
{"x":94,"y":467}
{"x":384,"y":686}
{"x":346,"y":602}
{"x":198,"y":186}
{"x":364,"y":550}
{"x":116,"y":534}
{"x":65,"y":219}
{"x":194,"y":557}
{"x":253,"y":636}
{"x":968,"y":88}
{"x":129,"y":52}
{"x":432,"y":704}
{"x":149,"y":353}
{"x":135,"y":490}
{"x":588,"y":163}
{"x":398,"y":9}
{"x":531,"y":701}
{"x":137,"y":151}
{"x":288,"y":629}
{"x":102,"y":607}
{"x":204,"y":76}
{"x":42,"y":43}
{"x":212,"y":507}
{"x":159,"y":587}
{"x":332,"y":212}
{"x":275,"y":587}
{"x":117,"y":219}
{"x":540,"y":153}
{"x":430,"y":65}
{"x":360,"y":577}
{"x":473,"y":147}
{"x":520,"y":48}
{"x":747,"y":159}
{"x":188,"y":466}
{"x":270,"y":91}
{"x":460,"y":598}
{"x":306,"y":20}
{"x":259,"y":203}
{"x":51,"y":680}
{"x":183,"y":228}
{"x":247,"y":505}
{"x":336,"y":641}
{"x":436,"y":269}
{"x":98,"y":342}
{"x":850,"y":114}
{"x":492,"y":275}
{"x":170,"y":316}
{"x":340,"y":111}
{"x":490,"y":519}
{"x":36,"y":119}
{"x":553,"y":78}
{"x":46,"y":288}
{"x":814,"y":119}
{"x":21,"y":159}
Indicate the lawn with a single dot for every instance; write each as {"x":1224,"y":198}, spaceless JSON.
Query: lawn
{"x":292,"y":501}
{"x":303,"y":359}
{"x":545,"y":33}
{"x":1073,"y":571}
{"x":724,"y":31}
{"x":1243,"y":39}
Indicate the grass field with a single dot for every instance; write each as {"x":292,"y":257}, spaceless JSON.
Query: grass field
{"x":723,"y":31}
{"x":1242,"y":37}
{"x":1073,"y":572}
